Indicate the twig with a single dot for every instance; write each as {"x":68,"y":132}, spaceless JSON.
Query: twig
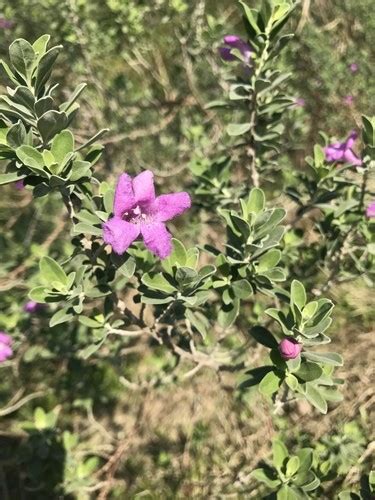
{"x":304,"y":16}
{"x":21,"y":402}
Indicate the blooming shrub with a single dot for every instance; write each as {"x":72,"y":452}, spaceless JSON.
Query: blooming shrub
{"x":247,"y":276}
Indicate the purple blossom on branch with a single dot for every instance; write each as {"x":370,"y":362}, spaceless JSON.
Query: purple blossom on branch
{"x":342,"y":151}
{"x":353,"y":67}
{"x":232,"y":42}
{"x":19,"y":185}
{"x":289,"y":348}
{"x":299,"y":102}
{"x":370,"y":211}
{"x":138,"y":212}
{"x":5,"y":23}
{"x":5,"y":346}
{"x":33,"y":307}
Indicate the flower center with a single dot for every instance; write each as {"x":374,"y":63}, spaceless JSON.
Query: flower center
{"x":136,"y":215}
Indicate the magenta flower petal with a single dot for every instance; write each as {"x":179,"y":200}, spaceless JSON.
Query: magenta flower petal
{"x":5,"y":352}
{"x":5,"y":349}
{"x":226,"y":54}
{"x":370,"y":211}
{"x":120,"y":234}
{"x":334,"y":152}
{"x":351,"y":139}
{"x":5,"y":339}
{"x":124,"y":195}
{"x":232,"y":40}
{"x":168,"y":206}
{"x":157,"y":239}
{"x":351,"y":158}
{"x":143,"y":186}
{"x":342,"y":152}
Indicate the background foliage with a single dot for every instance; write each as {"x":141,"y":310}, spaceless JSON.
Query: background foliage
{"x":117,"y":424}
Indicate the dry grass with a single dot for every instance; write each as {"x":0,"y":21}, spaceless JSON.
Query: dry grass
{"x":196,"y":440}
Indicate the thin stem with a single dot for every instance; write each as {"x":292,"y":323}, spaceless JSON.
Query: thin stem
{"x":251,"y":149}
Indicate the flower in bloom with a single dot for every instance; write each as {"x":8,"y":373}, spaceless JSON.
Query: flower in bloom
{"x":5,"y":346}
{"x":33,"y":307}
{"x":353,"y":67}
{"x":19,"y":185}
{"x":5,"y":23}
{"x":342,"y":151}
{"x":289,"y":348}
{"x":234,"y":42}
{"x":138,"y":212}
{"x":348,"y":100}
{"x":370,"y":211}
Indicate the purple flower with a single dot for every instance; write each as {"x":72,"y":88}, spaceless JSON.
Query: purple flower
{"x":19,"y":185}
{"x":348,"y":100}
{"x":353,"y":67}
{"x":235,"y":42}
{"x":33,"y":307}
{"x":137,"y":212}
{"x":342,"y":151}
{"x":299,"y":102}
{"x":5,"y":23}
{"x":289,"y":348}
{"x":370,"y":211}
{"x":5,"y":349}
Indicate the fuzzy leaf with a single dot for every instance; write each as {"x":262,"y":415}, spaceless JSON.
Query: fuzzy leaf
{"x":314,"y":397}
{"x":279,"y":453}
{"x":235,"y":129}
{"x":269,"y":384}
{"x":22,"y":56}
{"x":51,"y":271}
{"x":298,"y":294}
{"x":62,"y":144}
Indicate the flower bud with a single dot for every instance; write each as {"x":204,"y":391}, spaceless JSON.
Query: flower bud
{"x":33,"y":307}
{"x":289,"y":348}
{"x":235,"y":42}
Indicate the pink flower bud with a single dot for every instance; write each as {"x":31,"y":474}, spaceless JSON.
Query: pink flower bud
{"x":33,"y":307}
{"x":289,"y":348}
